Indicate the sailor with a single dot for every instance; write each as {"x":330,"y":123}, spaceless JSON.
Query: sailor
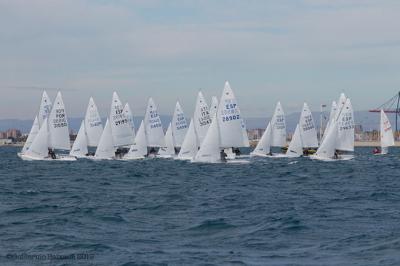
{"x":377,"y":150}
{"x":336,"y":156}
{"x":52,"y":155}
{"x":237,"y":151}
{"x":223,"y":156}
{"x":152,"y":152}
{"x":118,"y":153}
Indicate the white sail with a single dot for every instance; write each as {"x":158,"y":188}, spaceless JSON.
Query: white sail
{"x":246,"y":142}
{"x":122,"y":133}
{"x":139,"y":148}
{"x":168,"y":149}
{"x":45,"y":108}
{"x":340,"y":103}
{"x":80,"y":146}
{"x":202,"y":119}
{"x":345,"y":125}
{"x":307,"y":128}
{"x":93,"y":124}
{"x":189,"y":146}
{"x":105,"y":149}
{"x":40,"y":145}
{"x":264,"y":144}
{"x":332,"y":116}
{"x":295,"y":148}
{"x":209,"y":151}
{"x":58,"y":125}
{"x":32,"y":135}
{"x":129,"y":115}
{"x":387,"y":139}
{"x":230,"y":120}
{"x":179,"y":126}
{"x":328,"y":146}
{"x":278,"y":127}
{"x":153,"y":126}
{"x":213,"y":106}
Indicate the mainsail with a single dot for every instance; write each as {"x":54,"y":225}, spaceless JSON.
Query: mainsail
{"x":179,"y":126}
{"x":387,"y":139}
{"x":230,"y":122}
{"x":129,"y":115}
{"x":58,"y":125}
{"x":44,"y":109}
{"x":345,"y":141}
{"x":307,"y":128}
{"x":153,"y":126}
{"x":121,"y":129}
{"x":202,"y":119}
{"x":278,"y":127}
{"x":93,"y":124}
{"x":214,"y":106}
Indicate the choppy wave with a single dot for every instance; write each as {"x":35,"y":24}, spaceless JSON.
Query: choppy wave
{"x":165,"y":212}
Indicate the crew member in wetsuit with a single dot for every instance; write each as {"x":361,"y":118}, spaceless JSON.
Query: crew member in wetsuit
{"x":223,"y":156}
{"x":152,"y":151}
{"x":118,"y":153}
{"x":237,"y":151}
{"x":377,"y":150}
{"x":336,"y":156}
{"x":52,"y":155}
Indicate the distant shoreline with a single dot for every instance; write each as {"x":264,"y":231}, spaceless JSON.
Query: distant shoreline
{"x":254,"y":143}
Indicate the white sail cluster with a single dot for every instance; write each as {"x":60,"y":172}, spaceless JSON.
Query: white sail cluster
{"x":214,"y":133}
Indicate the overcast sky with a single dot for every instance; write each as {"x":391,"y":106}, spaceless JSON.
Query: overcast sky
{"x":287,"y":50}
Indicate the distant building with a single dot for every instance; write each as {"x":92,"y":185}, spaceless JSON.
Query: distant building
{"x":255,"y":134}
{"x":5,"y":141}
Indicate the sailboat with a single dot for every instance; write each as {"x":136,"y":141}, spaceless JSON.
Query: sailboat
{"x":53,"y":135}
{"x":273,"y":136}
{"x":339,"y":139}
{"x":190,"y":145}
{"x":89,"y":133}
{"x":122,"y":133}
{"x":232,"y":129}
{"x":44,"y":111}
{"x":138,"y":150}
{"x":210,"y":150}
{"x":305,"y":135}
{"x":179,"y":127}
{"x":153,"y":127}
{"x":201,"y":118}
{"x":167,"y":151}
{"x":32,"y":135}
{"x":105,"y":150}
{"x":387,"y":138}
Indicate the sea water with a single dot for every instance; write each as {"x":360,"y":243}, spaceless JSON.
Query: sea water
{"x":166,"y":212}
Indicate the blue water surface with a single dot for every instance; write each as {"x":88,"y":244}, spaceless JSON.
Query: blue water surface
{"x":165,"y":212}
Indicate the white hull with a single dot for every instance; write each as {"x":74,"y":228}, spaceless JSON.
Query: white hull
{"x":341,"y":158}
{"x":65,"y":158}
